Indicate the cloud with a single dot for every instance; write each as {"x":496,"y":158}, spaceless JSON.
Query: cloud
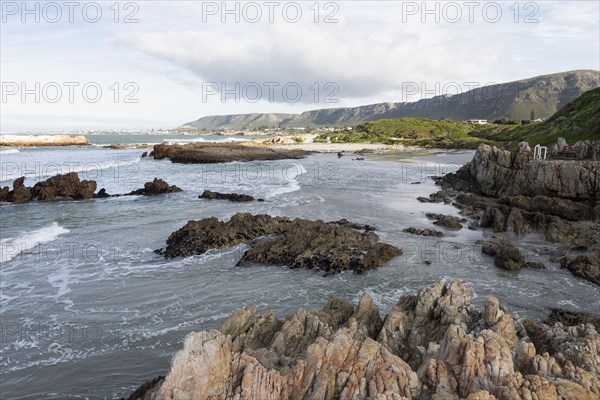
{"x":360,"y":62}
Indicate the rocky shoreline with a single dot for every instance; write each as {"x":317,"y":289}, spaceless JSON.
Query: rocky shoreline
{"x":514,"y":195}
{"x":432,"y":345}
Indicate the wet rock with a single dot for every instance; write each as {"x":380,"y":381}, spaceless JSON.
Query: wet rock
{"x":4,"y":193}
{"x":447,"y":221}
{"x":433,"y":345}
{"x":586,"y":266}
{"x":573,"y":318}
{"x":101,"y":194}
{"x":67,"y":185}
{"x":506,"y":255}
{"x":238,"y":198}
{"x":206,"y":153}
{"x":298,"y":243}
{"x":145,"y":154}
{"x":20,"y":193}
{"x":147,"y":390}
{"x":535,"y":265}
{"x":156,"y":187}
{"x":423,"y":232}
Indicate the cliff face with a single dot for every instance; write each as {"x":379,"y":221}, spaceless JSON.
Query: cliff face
{"x":500,"y":172}
{"x":432,"y":345}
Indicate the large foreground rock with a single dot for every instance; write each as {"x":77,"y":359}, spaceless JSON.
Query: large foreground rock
{"x":435,"y":345}
{"x":298,"y":243}
{"x":206,"y":153}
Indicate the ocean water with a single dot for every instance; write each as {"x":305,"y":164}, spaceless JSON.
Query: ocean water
{"x":88,"y":310}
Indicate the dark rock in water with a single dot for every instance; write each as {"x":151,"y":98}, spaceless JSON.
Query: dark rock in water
{"x":146,"y":391}
{"x":156,"y":187}
{"x":586,"y":266}
{"x":206,"y":153}
{"x":295,"y":243}
{"x":535,"y":265}
{"x":447,"y":221}
{"x":67,"y":185}
{"x":20,"y":193}
{"x":340,"y":154}
{"x":59,"y":186}
{"x":4,"y":193}
{"x":573,"y":318}
{"x":506,"y":255}
{"x":145,"y":154}
{"x":423,"y":232}
{"x":260,"y":200}
{"x":101,"y":194}
{"x":359,"y":159}
{"x":416,"y":183}
{"x":345,"y":222}
{"x":238,"y":198}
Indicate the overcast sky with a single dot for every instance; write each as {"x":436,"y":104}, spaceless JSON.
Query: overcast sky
{"x":171,"y":57}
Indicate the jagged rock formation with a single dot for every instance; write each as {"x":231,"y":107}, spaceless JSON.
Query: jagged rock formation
{"x":435,"y":345}
{"x":298,"y":243}
{"x":235,"y":197}
{"x":208,"y":153}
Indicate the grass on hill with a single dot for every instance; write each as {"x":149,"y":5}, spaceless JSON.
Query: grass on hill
{"x":578,"y":120}
{"x":411,"y":131}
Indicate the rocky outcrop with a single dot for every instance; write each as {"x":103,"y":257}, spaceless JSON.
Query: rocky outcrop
{"x":514,"y":193}
{"x":59,"y":186}
{"x":206,"y":153}
{"x":156,"y":187}
{"x":298,"y":243}
{"x":434,"y":345}
{"x":235,"y":197}
{"x":499,"y":172}
{"x":69,"y":186}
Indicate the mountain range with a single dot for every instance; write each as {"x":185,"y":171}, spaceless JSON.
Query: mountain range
{"x":541,"y":96}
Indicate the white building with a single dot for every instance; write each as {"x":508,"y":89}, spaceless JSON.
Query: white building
{"x":477,"y":121}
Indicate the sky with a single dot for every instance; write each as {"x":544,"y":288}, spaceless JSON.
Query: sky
{"x":157,"y":64}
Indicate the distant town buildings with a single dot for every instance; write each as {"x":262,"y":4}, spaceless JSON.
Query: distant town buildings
{"x":477,"y":121}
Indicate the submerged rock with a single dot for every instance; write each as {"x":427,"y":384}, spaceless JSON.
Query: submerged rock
{"x":423,"y":232}
{"x":431,"y":345}
{"x":206,"y":153}
{"x":298,"y":243}
{"x":506,"y":255}
{"x":238,"y":198}
{"x":447,"y":221}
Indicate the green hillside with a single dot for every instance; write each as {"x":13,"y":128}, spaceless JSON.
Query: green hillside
{"x":578,"y":120}
{"x":411,"y":131}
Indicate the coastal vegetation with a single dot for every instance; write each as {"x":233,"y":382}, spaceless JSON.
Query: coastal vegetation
{"x":578,"y":120}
